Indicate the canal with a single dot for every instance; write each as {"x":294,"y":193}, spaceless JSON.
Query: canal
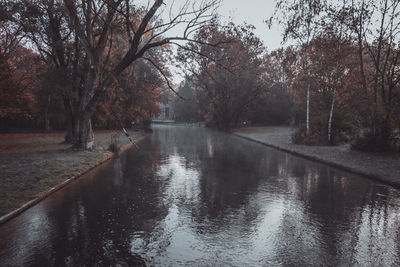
{"x":197,"y":197}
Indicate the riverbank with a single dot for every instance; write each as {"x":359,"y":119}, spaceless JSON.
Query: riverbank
{"x":384,"y":167}
{"x":34,"y":165}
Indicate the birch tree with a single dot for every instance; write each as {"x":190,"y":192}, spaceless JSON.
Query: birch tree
{"x":336,"y":27}
{"x":300,"y":21}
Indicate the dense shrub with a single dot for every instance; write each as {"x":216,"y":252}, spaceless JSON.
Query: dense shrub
{"x":380,"y":141}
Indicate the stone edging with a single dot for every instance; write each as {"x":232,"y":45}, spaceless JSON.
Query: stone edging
{"x":321,"y":160}
{"x":43,"y":195}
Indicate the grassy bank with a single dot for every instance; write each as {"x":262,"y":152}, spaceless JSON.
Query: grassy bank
{"x":31,"y":164}
{"x":384,"y":167}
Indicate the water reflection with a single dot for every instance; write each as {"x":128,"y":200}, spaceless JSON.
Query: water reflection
{"x":193,"y":196}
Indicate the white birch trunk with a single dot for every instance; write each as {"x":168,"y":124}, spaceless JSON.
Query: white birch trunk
{"x":335,"y":88}
{"x":331,"y":116}
{"x":334,"y":92}
{"x":308,"y":104}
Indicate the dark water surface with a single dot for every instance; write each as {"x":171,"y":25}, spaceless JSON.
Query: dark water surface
{"x":192,"y":196}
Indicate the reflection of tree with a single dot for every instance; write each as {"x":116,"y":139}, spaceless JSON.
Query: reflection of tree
{"x":239,"y":197}
{"x":321,"y":206}
{"x":337,"y":214}
{"x":323,"y":210}
{"x":321,"y":217}
{"x":227,"y":180}
{"x":95,"y":223}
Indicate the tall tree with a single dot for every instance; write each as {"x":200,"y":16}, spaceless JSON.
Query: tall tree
{"x":229,"y":77}
{"x":375,"y":26}
{"x":89,"y":25}
{"x":339,"y":37}
{"x":301,"y":21}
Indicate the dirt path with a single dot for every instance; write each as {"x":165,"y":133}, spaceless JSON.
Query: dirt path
{"x":382,"y":166}
{"x":31,"y":164}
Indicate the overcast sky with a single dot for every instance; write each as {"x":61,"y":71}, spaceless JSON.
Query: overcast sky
{"x":253,"y":12}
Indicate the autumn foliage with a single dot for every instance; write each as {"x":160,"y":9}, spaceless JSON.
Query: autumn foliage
{"x":229,"y":73}
{"x":19,"y":84}
{"x":338,"y":81}
{"x":344,"y":70}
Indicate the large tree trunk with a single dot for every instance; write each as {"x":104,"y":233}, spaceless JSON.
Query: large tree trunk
{"x":88,"y":103}
{"x":84,"y":135}
{"x":72,"y":122}
{"x":72,"y":129}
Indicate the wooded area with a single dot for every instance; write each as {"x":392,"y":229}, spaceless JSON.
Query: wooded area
{"x":76,"y":65}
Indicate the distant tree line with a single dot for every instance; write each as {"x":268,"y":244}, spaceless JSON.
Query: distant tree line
{"x":236,"y":83}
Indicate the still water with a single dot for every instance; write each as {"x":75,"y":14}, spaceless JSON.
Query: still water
{"x":196,"y":197}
